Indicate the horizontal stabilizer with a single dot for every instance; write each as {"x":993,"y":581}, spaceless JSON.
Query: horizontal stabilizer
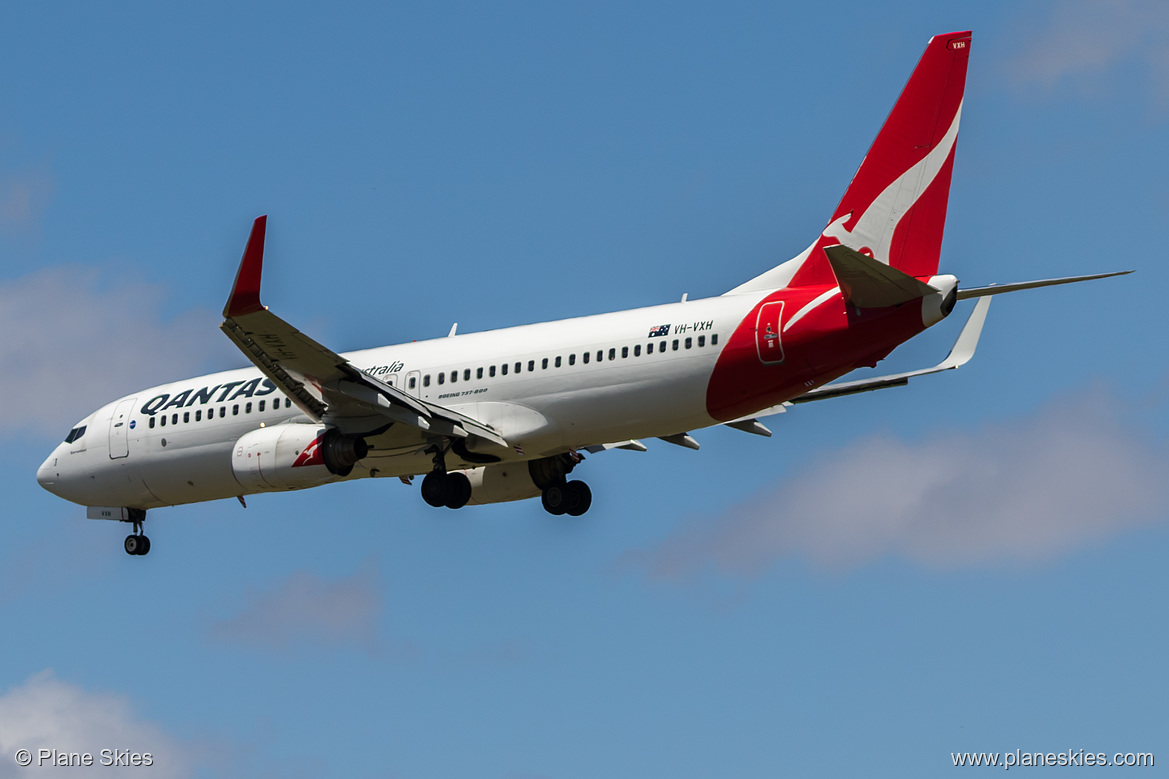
{"x":869,"y":283}
{"x":998,"y":289}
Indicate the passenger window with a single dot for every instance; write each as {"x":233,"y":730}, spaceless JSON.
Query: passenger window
{"x":454,"y":376}
{"x":426,"y":380}
{"x":152,"y":422}
{"x":467,"y":374}
{"x":701,"y":341}
{"x":162,"y":420}
{"x":612,"y":355}
{"x":503,"y":369}
{"x":714,"y":340}
{"x":442,"y":378}
{"x":531,"y":365}
{"x":248,"y":407}
{"x":198,"y":416}
{"x":479,"y":372}
{"x":624,"y":352}
{"x":413,"y":382}
{"x":689,"y":342}
{"x":675,"y":344}
{"x":572,"y":359}
{"x":637,"y":350}
{"x":235,"y":410}
{"x":585,"y":358}
{"x":544,"y":364}
{"x":649,"y":348}
{"x":288,"y":402}
{"x":558,"y":361}
{"x":186,"y":417}
{"x":491,"y":371}
{"x":600,"y":355}
{"x":174,"y":419}
{"x":260,"y":408}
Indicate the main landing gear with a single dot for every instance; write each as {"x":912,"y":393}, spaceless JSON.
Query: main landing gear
{"x":136,"y":543}
{"x":452,"y":490}
{"x":558,"y":495}
{"x":572,"y":498}
{"x":440,"y":488}
{"x":548,"y":475}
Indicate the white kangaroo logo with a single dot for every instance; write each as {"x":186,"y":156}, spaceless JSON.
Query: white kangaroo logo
{"x":873,"y":232}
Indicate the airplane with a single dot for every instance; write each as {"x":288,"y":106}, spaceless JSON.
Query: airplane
{"x":509,"y":414}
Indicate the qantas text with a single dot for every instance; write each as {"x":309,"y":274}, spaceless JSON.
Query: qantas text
{"x":255,"y":388}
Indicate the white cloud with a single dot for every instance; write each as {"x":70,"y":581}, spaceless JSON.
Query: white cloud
{"x":47,"y":713}
{"x":72,"y":343}
{"x":306,"y":609}
{"x":1085,"y":38}
{"x":1010,"y":493}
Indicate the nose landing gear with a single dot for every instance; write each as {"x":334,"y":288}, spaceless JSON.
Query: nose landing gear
{"x":136,"y":543}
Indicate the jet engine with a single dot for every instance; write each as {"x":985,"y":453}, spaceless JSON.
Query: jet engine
{"x":294,"y":456}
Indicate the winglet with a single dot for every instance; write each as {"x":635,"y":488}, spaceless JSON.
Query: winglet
{"x":245,"y":293}
{"x":959,"y":355}
{"x":967,"y":341}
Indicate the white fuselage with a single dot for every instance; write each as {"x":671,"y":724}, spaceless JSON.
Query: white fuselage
{"x":546,"y":388}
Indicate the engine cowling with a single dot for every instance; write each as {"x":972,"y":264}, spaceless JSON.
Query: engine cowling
{"x":294,"y":456}
{"x":501,"y":483}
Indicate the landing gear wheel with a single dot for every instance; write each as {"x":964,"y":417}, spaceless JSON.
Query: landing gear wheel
{"x":436,"y":488}
{"x":137,"y":545}
{"x":580,"y":497}
{"x":458,"y":490}
{"x":555,"y":499}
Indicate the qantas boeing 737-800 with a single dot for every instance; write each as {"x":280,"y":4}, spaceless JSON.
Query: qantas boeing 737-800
{"x":507,"y":414}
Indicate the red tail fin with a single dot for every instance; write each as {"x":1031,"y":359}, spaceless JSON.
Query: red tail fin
{"x":895,"y":207}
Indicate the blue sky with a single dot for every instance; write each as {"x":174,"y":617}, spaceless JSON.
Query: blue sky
{"x":972,"y":563}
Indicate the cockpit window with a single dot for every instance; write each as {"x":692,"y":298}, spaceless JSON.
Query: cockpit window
{"x":74,"y":434}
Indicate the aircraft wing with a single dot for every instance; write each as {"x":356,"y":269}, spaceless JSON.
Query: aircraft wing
{"x":325,"y":385}
{"x":959,"y":355}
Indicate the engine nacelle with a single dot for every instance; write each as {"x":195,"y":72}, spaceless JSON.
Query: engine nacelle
{"x":501,"y":483}
{"x":294,"y":457}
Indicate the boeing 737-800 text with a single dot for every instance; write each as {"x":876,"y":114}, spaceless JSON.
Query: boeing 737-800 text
{"x":508,"y":414}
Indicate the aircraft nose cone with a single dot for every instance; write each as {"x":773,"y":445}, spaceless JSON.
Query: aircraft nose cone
{"x":47,"y":475}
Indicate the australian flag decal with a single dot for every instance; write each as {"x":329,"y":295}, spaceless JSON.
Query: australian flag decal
{"x":659,"y":330}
